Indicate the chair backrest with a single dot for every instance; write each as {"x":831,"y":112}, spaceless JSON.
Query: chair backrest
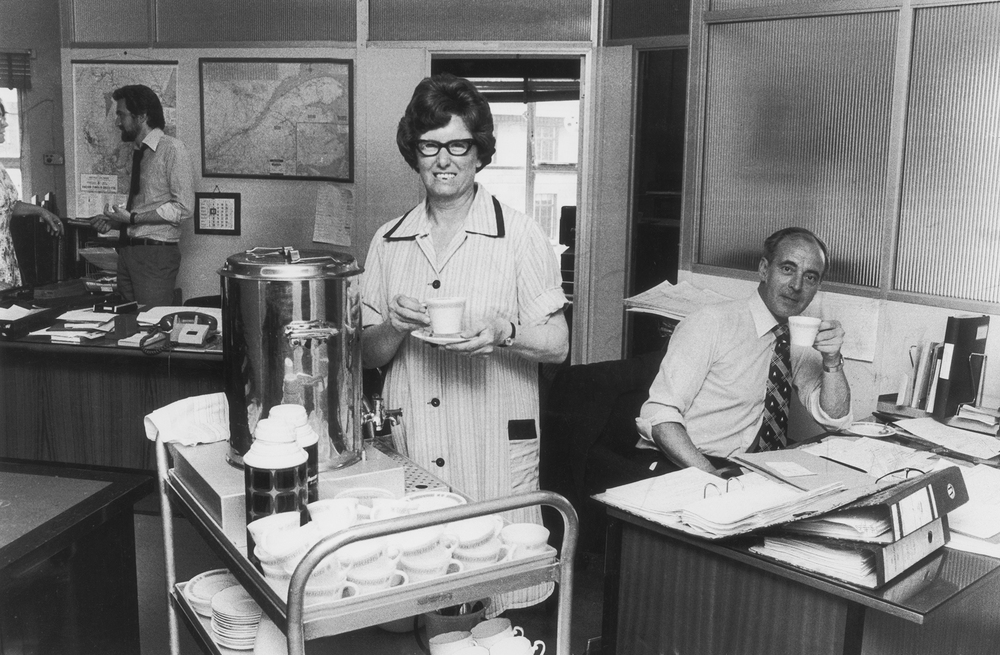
{"x":204,"y":301}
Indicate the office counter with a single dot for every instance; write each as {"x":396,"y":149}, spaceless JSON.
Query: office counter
{"x":84,"y":404}
{"x":67,"y":559}
{"x":666,"y":592}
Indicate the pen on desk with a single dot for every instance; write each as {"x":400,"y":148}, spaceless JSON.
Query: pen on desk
{"x":830,"y":459}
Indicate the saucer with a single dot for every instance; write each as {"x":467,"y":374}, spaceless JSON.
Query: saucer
{"x":438,"y":340}
{"x":866,"y":429}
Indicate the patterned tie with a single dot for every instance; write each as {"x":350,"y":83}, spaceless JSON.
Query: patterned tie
{"x":133,"y":191}
{"x":772,"y":434}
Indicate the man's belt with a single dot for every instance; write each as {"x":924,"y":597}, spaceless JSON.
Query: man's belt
{"x":130,"y":241}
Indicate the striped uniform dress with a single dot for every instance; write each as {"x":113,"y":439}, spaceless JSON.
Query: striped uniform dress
{"x":473,"y":422}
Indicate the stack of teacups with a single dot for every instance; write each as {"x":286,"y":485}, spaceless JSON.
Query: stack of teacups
{"x":478,"y":543}
{"x":366,"y":497}
{"x":517,"y":646}
{"x":493,"y":631}
{"x":427,"y":554}
{"x":451,"y":643}
{"x":371,"y":565}
{"x":525,"y":539}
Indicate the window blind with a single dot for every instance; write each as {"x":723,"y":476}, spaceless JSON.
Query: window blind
{"x":15,"y":70}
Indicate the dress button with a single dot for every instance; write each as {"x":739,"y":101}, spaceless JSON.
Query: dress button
{"x":439,"y":461}
{"x":436,"y":284}
{"x":435,"y":402}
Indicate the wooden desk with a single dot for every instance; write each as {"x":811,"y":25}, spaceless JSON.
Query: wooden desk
{"x":84,"y":404}
{"x":666,"y":592}
{"x":67,"y":559}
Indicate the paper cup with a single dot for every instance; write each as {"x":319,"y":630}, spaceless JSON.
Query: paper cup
{"x":446,"y":315}
{"x":803,"y":330}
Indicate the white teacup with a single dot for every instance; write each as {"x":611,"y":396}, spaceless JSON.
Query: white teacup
{"x":802,"y":330}
{"x":367,"y":552}
{"x":489,"y":553}
{"x":365,"y":496}
{"x":489,"y":632}
{"x":433,"y":499}
{"x":333,"y":514}
{"x":446,"y":314}
{"x":474,"y":532}
{"x":282,"y":521}
{"x":525,"y":539}
{"x":450,"y":643}
{"x":281,"y":547}
{"x":376,"y":578}
{"x":474,"y":650}
{"x":429,"y":566}
{"x":517,"y":646}
{"x":413,"y":543}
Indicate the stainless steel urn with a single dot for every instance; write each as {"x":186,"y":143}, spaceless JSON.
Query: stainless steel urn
{"x":292,"y":334}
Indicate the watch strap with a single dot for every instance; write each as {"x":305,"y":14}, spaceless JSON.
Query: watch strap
{"x":509,"y":341}
{"x":836,"y":368}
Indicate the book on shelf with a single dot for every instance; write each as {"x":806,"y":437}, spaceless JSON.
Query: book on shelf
{"x":964,"y":338}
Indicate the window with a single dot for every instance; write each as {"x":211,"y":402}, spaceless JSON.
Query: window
{"x":895,"y":166}
{"x":10,"y":149}
{"x":536,"y":117}
{"x":545,"y":211}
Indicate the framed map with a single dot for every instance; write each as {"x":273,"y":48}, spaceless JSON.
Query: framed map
{"x":277,"y":118}
{"x":102,"y":162}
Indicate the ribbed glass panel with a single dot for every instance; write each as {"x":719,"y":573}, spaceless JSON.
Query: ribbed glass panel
{"x":110,"y":21}
{"x":949,"y":237}
{"x":631,"y":19}
{"x":225,"y":21}
{"x":720,"y":5}
{"x":796,"y":133}
{"x":492,"y":20}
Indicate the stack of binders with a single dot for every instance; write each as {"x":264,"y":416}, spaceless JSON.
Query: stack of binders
{"x":873,"y":540}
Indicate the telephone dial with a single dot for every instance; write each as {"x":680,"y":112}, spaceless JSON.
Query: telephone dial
{"x":180,"y":328}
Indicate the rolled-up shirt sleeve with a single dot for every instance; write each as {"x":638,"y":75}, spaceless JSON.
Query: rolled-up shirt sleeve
{"x":807,"y":371}
{"x":681,"y":375}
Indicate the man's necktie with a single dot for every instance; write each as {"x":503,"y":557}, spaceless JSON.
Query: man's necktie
{"x":773,"y":429}
{"x":133,"y":190}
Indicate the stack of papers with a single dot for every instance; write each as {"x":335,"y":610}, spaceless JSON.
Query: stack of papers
{"x":874,"y":457}
{"x":856,"y":525}
{"x":854,"y":564}
{"x":15,"y":312}
{"x":702,"y":504}
{"x":672,"y":301}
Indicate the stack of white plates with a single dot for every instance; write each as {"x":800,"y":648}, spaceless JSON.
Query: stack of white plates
{"x":201,"y":588}
{"x":235,"y":616}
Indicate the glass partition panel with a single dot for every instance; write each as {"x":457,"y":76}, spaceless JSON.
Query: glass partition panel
{"x":797,"y":119}
{"x":949,"y":240}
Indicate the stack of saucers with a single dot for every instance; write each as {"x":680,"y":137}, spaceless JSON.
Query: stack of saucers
{"x":201,"y":588}
{"x":235,"y":616}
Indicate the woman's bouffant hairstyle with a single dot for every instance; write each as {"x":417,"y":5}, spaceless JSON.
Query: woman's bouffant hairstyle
{"x":435,"y":100}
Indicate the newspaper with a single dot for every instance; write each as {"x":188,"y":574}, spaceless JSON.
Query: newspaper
{"x":673,"y":300}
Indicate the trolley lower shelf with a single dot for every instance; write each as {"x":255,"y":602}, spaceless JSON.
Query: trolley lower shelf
{"x":339,"y":616}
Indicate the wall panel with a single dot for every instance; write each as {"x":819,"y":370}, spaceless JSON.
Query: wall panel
{"x":796,"y":133}
{"x":951,"y":199}
{"x":222,"y":21}
{"x":110,"y":21}
{"x":461,"y":20}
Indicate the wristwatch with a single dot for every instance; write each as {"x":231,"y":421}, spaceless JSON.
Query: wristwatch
{"x":836,"y":368}
{"x":509,"y":341}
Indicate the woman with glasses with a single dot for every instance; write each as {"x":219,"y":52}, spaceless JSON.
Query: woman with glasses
{"x":11,"y":207}
{"x":470,"y":406}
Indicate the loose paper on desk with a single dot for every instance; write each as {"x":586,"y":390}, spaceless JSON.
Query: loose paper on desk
{"x":672,"y":301}
{"x":954,"y":439}
{"x":875,"y":457}
{"x":15,"y":312}
{"x":104,"y":259}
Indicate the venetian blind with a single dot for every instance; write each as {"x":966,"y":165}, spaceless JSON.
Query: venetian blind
{"x":15,"y":70}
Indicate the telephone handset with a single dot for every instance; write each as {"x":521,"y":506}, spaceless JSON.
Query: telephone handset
{"x":180,"y":328}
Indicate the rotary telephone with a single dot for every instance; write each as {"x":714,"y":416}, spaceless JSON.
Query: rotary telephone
{"x":180,"y":328}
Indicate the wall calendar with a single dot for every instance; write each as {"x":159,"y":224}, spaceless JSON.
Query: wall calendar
{"x":217,"y":213}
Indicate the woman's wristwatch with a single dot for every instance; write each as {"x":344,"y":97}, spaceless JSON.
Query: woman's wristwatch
{"x":509,"y":341}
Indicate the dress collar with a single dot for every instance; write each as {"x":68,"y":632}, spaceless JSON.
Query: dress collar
{"x":153,"y":139}
{"x":485,"y":218}
{"x":763,"y":319}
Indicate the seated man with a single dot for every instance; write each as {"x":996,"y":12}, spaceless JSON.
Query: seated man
{"x":725,"y":360}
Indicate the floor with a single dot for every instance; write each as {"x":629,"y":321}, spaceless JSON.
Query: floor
{"x":194,"y":556}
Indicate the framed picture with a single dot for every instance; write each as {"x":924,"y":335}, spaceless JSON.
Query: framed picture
{"x":287,"y":119}
{"x":217,"y":213}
